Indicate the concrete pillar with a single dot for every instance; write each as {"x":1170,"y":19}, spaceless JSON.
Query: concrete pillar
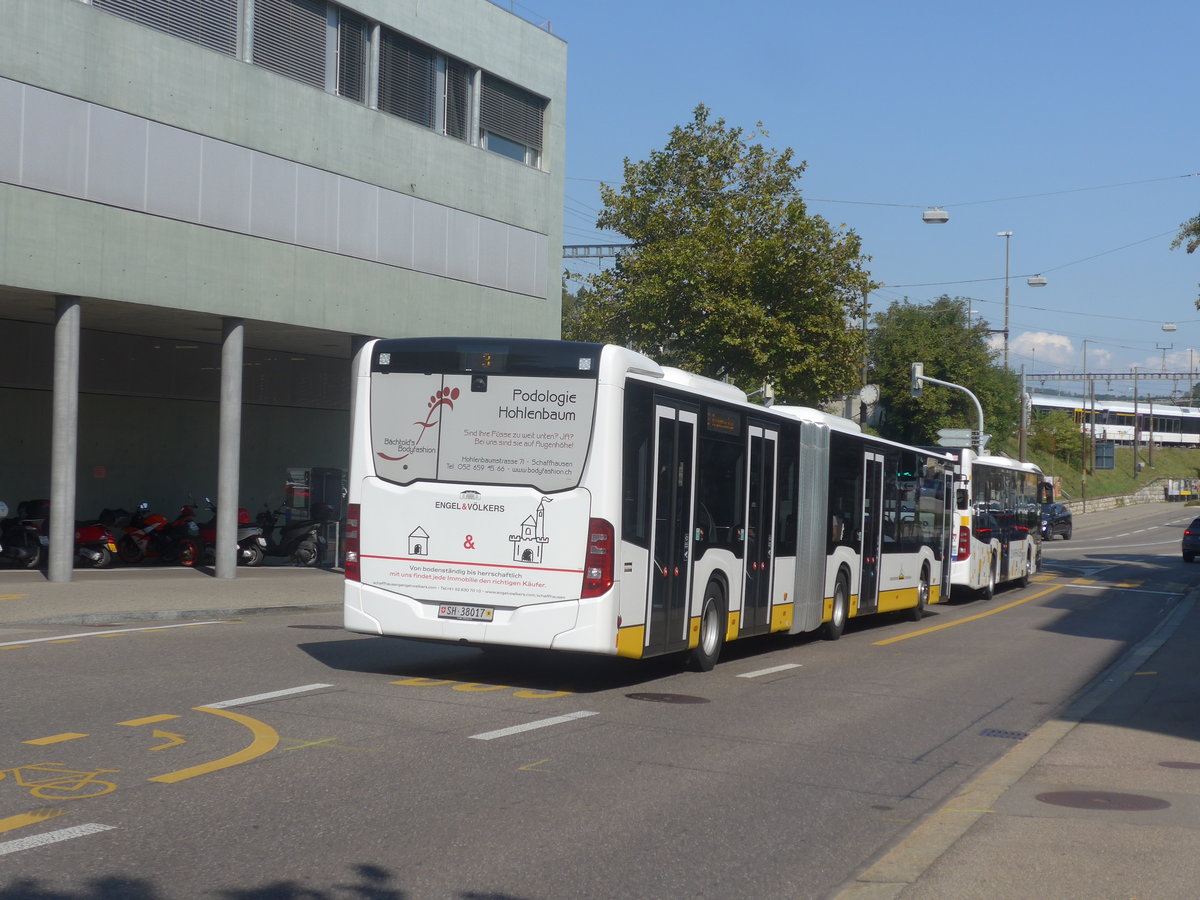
{"x":64,"y":438}
{"x":229,"y":446}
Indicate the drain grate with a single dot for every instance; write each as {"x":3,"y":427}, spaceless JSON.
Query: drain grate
{"x":1109,"y":800}
{"x":667,"y":698}
{"x":1007,"y":735}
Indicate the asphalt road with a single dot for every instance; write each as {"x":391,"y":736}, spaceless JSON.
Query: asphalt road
{"x":279,"y":758}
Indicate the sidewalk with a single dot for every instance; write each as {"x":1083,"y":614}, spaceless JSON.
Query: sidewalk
{"x":136,"y":594}
{"x":1101,"y":803}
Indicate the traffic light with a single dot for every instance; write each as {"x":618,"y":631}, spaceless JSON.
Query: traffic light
{"x":918,"y":372}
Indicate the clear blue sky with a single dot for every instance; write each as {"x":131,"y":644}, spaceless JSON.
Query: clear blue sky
{"x":955,"y":103}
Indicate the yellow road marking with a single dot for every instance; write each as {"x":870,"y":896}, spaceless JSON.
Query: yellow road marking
{"x":265,"y":740}
{"x":30,"y":818}
{"x":150,"y":720}
{"x":982,"y":615}
{"x":64,"y":641}
{"x":11,"y":596}
{"x":173,"y":740}
{"x":300,"y":745}
{"x":16,"y":647}
{"x":55,"y":739}
{"x":532,"y":767}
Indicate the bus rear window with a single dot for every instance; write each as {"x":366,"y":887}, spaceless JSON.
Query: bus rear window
{"x":486,"y":428}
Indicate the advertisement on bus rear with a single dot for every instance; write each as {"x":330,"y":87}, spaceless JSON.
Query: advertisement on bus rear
{"x":492,"y":429}
{"x":496,"y":547}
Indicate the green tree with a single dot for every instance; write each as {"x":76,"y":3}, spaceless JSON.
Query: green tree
{"x":1189,"y":238}
{"x":1054,"y":433}
{"x":939,"y":336}
{"x":729,"y":275}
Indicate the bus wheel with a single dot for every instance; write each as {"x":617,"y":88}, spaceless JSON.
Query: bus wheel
{"x":712,"y":632}
{"x":989,"y":589}
{"x":1023,"y":581}
{"x":917,"y":613}
{"x":832,"y":630}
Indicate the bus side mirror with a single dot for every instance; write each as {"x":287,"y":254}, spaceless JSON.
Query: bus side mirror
{"x":960,"y":498}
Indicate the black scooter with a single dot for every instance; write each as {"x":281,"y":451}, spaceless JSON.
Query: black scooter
{"x":23,"y":537}
{"x":301,"y":542}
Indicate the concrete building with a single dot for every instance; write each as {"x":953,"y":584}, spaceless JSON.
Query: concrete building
{"x":206,"y":205}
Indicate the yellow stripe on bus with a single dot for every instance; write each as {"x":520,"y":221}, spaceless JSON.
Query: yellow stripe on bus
{"x":631,"y":641}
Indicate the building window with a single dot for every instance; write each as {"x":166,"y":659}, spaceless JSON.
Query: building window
{"x":510,"y":120}
{"x":458,"y":99}
{"x":289,"y":38}
{"x":407,"y":78}
{"x":210,"y":23}
{"x":353,"y":55}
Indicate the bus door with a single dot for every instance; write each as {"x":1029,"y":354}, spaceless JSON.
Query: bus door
{"x":759,"y":531}
{"x":670,"y":543}
{"x":872,"y":531}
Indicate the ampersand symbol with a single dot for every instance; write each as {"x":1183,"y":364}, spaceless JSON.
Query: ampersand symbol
{"x":469,"y":543}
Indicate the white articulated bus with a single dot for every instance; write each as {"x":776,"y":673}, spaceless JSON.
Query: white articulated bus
{"x":997,"y":521}
{"x":582,"y":497}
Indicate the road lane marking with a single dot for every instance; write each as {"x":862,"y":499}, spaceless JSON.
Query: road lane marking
{"x":963,"y":621}
{"x":173,"y":740}
{"x":265,"y":740}
{"x":770,"y":671}
{"x":116,"y":631}
{"x":530,"y":726}
{"x":12,"y":823}
{"x":150,"y":720}
{"x":254,"y":698}
{"x":55,"y":739}
{"x":52,"y":837}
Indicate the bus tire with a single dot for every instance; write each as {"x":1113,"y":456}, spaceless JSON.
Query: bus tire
{"x":712,"y":630}
{"x":1023,"y":581}
{"x":832,"y":630}
{"x":988,"y":591}
{"x":917,"y":613}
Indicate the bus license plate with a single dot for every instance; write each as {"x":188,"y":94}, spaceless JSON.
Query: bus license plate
{"x":474,"y":613}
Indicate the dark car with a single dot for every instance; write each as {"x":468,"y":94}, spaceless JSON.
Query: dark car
{"x":1191,"y":540}
{"x":1056,"y":519}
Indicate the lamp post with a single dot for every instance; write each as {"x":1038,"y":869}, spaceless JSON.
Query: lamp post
{"x":1007,"y":235}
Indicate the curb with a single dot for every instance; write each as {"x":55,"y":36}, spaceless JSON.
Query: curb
{"x":110,"y":618}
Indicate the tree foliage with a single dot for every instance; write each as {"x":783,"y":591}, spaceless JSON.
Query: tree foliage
{"x":1054,"y":433}
{"x":729,"y":275}
{"x":1189,"y":238}
{"x":938,"y":335}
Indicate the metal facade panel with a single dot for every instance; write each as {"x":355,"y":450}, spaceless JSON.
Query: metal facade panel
{"x":54,"y":143}
{"x":429,"y":237}
{"x":462,"y":246}
{"x":11,"y":100}
{"x":493,"y":253}
{"x":316,"y":208}
{"x":358,"y":218}
{"x":117,"y":158}
{"x":396,"y":228}
{"x":225,"y":185}
{"x":273,"y":198}
{"x":173,"y":172}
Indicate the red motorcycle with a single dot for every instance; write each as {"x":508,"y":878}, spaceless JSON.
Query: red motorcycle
{"x":153,"y":536}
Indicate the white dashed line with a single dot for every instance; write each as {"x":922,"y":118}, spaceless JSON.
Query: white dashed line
{"x":770,"y":671}
{"x":87,"y":634}
{"x":51,"y":837}
{"x":254,"y":698}
{"x":530,"y":726}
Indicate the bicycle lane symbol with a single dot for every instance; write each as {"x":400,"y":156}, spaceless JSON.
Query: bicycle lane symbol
{"x":53,"y":781}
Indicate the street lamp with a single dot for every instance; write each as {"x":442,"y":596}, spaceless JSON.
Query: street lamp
{"x":1007,"y":235}
{"x":935,"y":215}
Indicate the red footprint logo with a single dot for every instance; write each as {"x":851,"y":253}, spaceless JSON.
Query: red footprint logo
{"x":443,"y":398}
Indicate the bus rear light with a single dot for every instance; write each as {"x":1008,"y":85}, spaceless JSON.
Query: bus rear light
{"x":964,"y":543}
{"x":351,"y":564}
{"x":598,"y":563}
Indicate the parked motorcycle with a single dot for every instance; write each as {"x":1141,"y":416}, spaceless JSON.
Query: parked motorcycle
{"x":252,"y":546}
{"x":302,"y":542}
{"x":152,"y":536}
{"x":95,"y":544}
{"x":24,"y":538}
